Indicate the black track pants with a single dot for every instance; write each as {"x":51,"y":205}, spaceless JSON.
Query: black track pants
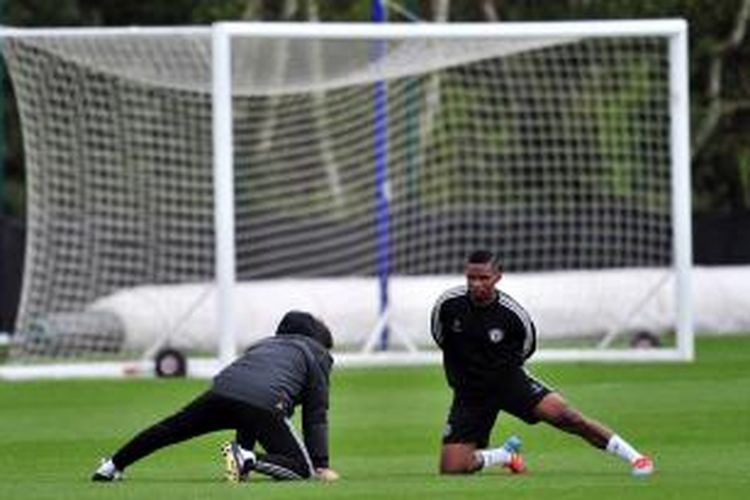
{"x":286,"y":457}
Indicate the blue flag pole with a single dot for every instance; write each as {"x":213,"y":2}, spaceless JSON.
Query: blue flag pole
{"x":380,"y":144}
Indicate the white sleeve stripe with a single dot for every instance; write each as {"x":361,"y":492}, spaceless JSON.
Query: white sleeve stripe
{"x":302,"y":447}
{"x":508,"y":301}
{"x":435,"y":326}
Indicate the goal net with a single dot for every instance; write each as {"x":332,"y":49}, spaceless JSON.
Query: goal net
{"x":187,"y":186}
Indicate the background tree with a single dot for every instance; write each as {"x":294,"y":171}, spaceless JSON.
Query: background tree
{"x":720,"y":61}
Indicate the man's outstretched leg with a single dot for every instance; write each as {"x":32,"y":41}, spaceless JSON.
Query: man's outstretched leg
{"x":554,"y":410}
{"x":206,"y":413}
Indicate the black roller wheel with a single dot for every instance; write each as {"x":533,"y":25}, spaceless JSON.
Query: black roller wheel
{"x":644,"y":340}
{"x":170,"y":362}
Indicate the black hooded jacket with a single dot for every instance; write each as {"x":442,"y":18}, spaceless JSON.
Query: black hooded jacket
{"x":278,"y":373}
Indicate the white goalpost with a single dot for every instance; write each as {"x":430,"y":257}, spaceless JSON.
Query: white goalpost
{"x":187,"y":186}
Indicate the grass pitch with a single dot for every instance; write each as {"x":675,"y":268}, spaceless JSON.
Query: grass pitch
{"x":385,"y":436}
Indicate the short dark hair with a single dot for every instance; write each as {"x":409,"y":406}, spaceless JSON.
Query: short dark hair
{"x":483,"y":257}
{"x":304,"y":323}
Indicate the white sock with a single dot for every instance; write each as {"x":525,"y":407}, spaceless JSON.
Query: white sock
{"x":493,"y":456}
{"x":247,"y":455}
{"x":621,"y":448}
{"x":107,"y":468}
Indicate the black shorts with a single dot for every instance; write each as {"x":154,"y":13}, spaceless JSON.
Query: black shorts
{"x":472,"y":414}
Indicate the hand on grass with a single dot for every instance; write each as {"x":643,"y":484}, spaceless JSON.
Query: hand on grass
{"x":327,"y":475}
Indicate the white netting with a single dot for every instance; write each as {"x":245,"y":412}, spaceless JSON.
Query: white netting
{"x":553,"y":152}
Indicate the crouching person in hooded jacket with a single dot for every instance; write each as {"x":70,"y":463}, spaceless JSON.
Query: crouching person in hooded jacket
{"x":256,"y":396}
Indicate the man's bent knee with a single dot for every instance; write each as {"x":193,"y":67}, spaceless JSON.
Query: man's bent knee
{"x":458,"y":458}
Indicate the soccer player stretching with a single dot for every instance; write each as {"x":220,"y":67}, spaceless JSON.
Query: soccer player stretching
{"x":486,"y":337}
{"x":256,"y":395}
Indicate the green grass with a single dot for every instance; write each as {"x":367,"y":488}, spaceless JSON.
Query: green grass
{"x":385,"y":436}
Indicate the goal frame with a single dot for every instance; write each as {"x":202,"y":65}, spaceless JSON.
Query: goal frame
{"x":675,"y":30}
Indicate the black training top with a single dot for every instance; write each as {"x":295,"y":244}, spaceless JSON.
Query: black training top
{"x":481,"y":341}
{"x":279,"y":373}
